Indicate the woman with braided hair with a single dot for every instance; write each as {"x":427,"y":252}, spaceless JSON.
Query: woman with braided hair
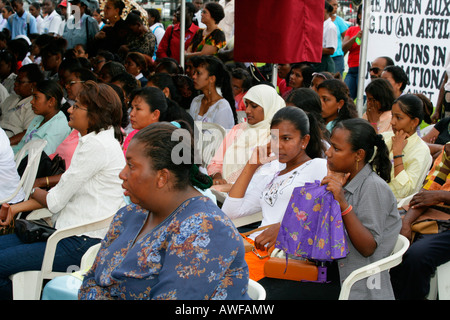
{"x":359,"y":165}
{"x":172,"y":242}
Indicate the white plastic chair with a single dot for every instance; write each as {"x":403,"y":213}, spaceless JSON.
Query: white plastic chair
{"x":256,"y":291}
{"x":376,"y":267}
{"x":27,"y":285}
{"x":440,"y":283}
{"x":34,"y":150}
{"x":66,"y":287}
{"x":209,"y":138}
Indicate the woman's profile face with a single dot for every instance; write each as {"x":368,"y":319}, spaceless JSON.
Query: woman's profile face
{"x":330,"y":105}
{"x":110,"y":11}
{"x":201,"y":78}
{"x":287,"y":141}
{"x":340,"y":156}
{"x":206,"y":16}
{"x":139,"y":178}
{"x":402,"y":121}
{"x":132,"y":67}
{"x":254,"y":112}
{"x":74,"y":85}
{"x":141,"y":114}
{"x":372,"y":103}
{"x":78,"y":117}
{"x":41,"y":105}
{"x":296,"y":78}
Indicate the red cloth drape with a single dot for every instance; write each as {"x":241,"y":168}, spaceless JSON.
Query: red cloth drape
{"x":278,"y":31}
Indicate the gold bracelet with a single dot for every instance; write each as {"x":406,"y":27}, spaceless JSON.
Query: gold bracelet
{"x":48,"y":184}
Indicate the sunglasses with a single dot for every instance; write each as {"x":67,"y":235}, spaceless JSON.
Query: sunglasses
{"x":375,"y":70}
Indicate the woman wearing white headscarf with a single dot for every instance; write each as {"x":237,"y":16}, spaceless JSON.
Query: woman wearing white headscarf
{"x":262,"y":102}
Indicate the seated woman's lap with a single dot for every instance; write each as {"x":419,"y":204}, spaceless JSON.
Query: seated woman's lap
{"x":17,"y":256}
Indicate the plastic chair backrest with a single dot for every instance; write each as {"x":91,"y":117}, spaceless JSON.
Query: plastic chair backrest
{"x":256,"y":291}
{"x":210,"y":137}
{"x":387,"y":263}
{"x":32,"y":286}
{"x":424,"y":174}
{"x":34,"y":150}
{"x":88,"y":258}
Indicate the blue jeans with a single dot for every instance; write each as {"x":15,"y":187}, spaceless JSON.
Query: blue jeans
{"x":411,"y":279}
{"x":16,"y":256}
{"x":339,"y":65}
{"x":351,"y":80}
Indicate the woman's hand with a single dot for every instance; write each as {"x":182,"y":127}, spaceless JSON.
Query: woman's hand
{"x":219,"y":181}
{"x":335,"y":182}
{"x":267,"y":238}
{"x":399,"y":141}
{"x":373,"y":114}
{"x":261,"y":155}
{"x":100,"y":35}
{"x":6,"y":215}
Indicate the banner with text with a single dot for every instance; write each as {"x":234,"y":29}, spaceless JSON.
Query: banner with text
{"x":416,"y":35}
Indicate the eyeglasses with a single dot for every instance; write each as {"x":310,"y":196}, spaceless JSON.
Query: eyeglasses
{"x":375,"y":70}
{"x":75,"y":106}
{"x":71,"y":83}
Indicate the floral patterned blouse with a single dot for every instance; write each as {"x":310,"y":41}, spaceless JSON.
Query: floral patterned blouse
{"x":215,"y":39}
{"x":195,"y":253}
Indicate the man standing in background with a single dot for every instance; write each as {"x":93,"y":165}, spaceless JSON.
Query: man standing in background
{"x":338,"y":55}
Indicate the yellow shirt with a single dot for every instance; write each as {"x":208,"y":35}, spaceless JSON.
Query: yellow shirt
{"x":416,"y":164}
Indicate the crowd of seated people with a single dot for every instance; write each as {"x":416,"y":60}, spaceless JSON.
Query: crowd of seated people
{"x":109,"y":98}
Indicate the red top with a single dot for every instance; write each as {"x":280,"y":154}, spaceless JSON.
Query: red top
{"x":175,"y":41}
{"x":353,"y":53}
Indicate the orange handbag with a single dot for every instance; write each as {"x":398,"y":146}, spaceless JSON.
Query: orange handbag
{"x":290,"y":269}
{"x":276,"y":267}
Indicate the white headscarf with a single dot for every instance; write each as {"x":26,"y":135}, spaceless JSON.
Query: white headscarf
{"x":251,"y":136}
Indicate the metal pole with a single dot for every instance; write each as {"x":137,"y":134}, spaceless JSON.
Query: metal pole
{"x":363,"y":55}
{"x":182,"y":31}
{"x":274,"y":74}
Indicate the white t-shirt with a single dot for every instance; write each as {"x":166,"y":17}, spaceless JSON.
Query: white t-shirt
{"x":90,"y":188}
{"x":330,"y":34}
{"x":219,"y":113}
{"x":158,"y":31}
{"x":51,"y":23}
{"x":269,"y":192}
{"x":9,"y":178}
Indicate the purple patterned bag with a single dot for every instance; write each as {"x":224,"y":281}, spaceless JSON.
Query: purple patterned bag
{"x":312,"y":226}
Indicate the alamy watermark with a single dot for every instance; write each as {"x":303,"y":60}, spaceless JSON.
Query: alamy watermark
{"x":208,"y":141}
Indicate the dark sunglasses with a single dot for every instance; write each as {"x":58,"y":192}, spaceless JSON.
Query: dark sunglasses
{"x":375,"y":70}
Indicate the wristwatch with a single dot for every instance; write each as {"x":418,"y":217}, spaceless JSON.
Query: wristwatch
{"x":32,"y":191}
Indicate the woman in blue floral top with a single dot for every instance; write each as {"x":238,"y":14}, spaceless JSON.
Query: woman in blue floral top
{"x":171,"y":243}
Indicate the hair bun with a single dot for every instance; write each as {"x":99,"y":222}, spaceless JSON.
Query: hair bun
{"x":379,"y":140}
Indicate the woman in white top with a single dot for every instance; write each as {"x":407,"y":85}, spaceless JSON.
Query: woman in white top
{"x":9,"y":177}
{"x":296,"y":142}
{"x":89,"y":190}
{"x":211,"y":77}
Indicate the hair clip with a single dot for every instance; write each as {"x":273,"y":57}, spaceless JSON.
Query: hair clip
{"x":176,"y":124}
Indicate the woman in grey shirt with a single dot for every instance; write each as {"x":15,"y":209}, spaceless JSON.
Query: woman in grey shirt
{"x":360,"y":163}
